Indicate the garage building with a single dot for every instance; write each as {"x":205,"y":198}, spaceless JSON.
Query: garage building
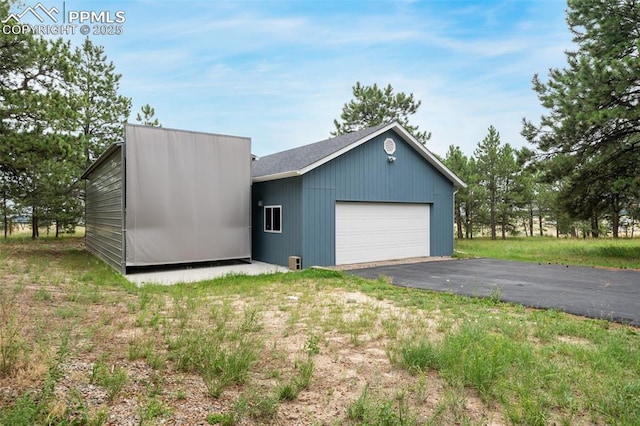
{"x":371,"y":195}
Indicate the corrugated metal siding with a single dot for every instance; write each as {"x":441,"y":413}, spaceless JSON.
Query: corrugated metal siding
{"x":104,"y":212}
{"x":277,"y":247}
{"x":365,"y":174}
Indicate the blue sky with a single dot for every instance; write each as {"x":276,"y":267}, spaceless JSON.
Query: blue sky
{"x":280,"y":71}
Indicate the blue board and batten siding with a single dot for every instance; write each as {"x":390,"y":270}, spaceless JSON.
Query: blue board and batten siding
{"x":276,"y":247}
{"x":361,"y":174}
{"x":104,"y":235}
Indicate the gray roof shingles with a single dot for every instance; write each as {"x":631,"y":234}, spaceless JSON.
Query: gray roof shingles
{"x":301,"y":157}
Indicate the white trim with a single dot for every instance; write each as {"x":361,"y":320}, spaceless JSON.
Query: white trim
{"x":276,"y":176}
{"x":430,"y":157}
{"x":264,"y":217}
{"x":346,"y":149}
{"x":389,"y":146}
{"x":406,"y":136}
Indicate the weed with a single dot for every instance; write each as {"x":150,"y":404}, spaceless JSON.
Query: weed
{"x":479,"y":358}
{"x":42,"y":294}
{"x":153,"y":409}
{"x":391,"y":326}
{"x":12,"y":347}
{"x":418,"y":356}
{"x":287,"y":392}
{"x":66,"y":312}
{"x":139,"y":347}
{"x":222,"y":419}
{"x":154,"y":385}
{"x":368,"y":411}
{"x":495,"y":296}
{"x":290,"y":391}
{"x":312,"y":346}
{"x":220,"y":362}
{"x":305,"y":372}
{"x":258,"y":405}
{"x":31,"y":408}
{"x":112,"y":379}
{"x":251,"y":321}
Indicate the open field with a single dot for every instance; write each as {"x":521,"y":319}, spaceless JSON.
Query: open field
{"x":604,"y":252}
{"x":80,"y":345}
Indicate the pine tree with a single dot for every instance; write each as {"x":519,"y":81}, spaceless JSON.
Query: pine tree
{"x":590,"y":138}
{"x":487,"y":158}
{"x":147,"y":117}
{"x":372,"y":106}
{"x":102,"y":111}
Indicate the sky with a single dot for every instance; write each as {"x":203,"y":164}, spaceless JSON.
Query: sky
{"x":280,"y":71}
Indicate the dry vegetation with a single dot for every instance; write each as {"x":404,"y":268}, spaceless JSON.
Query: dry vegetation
{"x":82,"y":346}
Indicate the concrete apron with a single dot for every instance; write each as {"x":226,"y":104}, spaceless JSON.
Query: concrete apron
{"x":202,"y":274}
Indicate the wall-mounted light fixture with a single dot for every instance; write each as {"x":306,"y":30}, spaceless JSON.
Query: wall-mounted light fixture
{"x":260,"y":203}
{"x":391,"y":159}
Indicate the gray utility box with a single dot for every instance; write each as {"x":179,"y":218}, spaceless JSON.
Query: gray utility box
{"x":169,"y":196}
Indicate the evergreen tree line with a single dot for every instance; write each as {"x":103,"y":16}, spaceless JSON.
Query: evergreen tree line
{"x":584,"y":165}
{"x":509,"y":193}
{"x":60,"y":108}
{"x":581,"y":172}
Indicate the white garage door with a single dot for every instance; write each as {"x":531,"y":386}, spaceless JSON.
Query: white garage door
{"x":368,"y":232}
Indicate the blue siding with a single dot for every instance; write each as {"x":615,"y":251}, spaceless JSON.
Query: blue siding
{"x":277,"y":247}
{"x":365,"y":174}
{"x":362,"y":174}
{"x":441,"y":232}
{"x":319,"y":219}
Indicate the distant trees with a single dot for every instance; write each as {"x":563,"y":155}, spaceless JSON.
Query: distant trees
{"x":372,"y":106}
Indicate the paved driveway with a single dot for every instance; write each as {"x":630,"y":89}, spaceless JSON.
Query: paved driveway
{"x":586,"y":291}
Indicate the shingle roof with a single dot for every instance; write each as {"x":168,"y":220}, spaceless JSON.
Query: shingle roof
{"x":298,"y":161}
{"x":301,"y":157}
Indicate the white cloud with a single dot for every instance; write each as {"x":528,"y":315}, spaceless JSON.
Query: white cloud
{"x":280,"y":73}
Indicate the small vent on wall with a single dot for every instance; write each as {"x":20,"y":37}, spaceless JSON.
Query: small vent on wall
{"x":389,"y":146}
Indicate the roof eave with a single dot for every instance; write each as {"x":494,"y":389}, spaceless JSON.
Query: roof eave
{"x":432,"y":159}
{"x":276,"y":176}
{"x":113,"y":148}
{"x":408,"y":137}
{"x":346,"y":149}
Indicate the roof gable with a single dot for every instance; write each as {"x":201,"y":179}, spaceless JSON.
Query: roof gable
{"x":290,"y":162}
{"x":301,"y":160}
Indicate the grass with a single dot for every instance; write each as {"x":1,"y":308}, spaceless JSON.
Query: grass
{"x":282,"y":348}
{"x":603,"y":252}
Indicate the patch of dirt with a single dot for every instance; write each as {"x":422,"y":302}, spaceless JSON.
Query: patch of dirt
{"x":345,"y":333}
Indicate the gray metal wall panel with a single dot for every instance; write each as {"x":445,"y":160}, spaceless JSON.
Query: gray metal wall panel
{"x":187,"y":196}
{"x":277,"y":247}
{"x":103,"y":212}
{"x":365,"y":174}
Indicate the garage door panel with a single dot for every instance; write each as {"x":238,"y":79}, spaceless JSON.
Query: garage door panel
{"x":367,"y":232}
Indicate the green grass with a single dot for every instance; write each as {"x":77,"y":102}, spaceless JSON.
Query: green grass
{"x":532,"y":366}
{"x":603,"y":252}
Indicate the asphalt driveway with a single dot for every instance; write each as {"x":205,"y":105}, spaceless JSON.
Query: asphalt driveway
{"x":586,"y":291}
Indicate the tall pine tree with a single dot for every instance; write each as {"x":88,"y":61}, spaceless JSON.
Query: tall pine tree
{"x":372,"y":106}
{"x":590,"y":138}
{"x":102,"y":110}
